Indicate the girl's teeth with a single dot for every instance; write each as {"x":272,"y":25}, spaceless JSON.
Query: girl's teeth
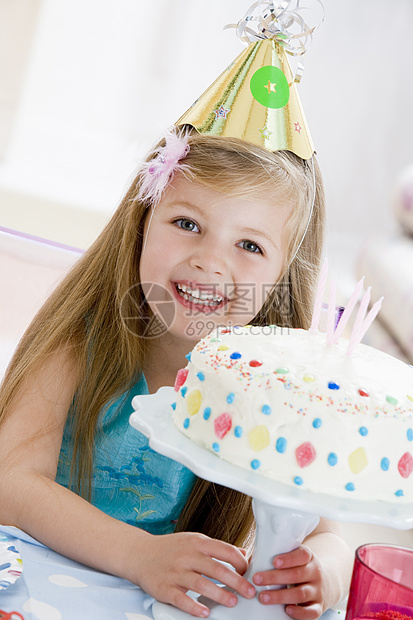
{"x":199,"y":297}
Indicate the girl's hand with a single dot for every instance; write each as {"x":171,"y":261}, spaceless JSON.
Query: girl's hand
{"x":302,"y":572}
{"x":172,"y":564}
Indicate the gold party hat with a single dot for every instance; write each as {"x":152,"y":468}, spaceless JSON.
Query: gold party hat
{"x":256,"y":98}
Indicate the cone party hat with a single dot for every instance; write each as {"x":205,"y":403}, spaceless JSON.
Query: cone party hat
{"x":256,"y":97}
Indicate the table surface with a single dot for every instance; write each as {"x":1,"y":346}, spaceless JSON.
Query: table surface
{"x":53,"y":587}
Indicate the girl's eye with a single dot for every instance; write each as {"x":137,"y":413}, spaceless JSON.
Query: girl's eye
{"x":250,"y":246}
{"x":186,"y":224}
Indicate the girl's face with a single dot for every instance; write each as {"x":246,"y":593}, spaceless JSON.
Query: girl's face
{"x":210,"y":259}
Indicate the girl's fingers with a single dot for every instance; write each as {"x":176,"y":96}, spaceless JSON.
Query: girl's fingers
{"x":226,"y":576}
{"x":298,"y":557}
{"x":286,"y":577}
{"x":187,"y":604}
{"x":227,"y":553}
{"x":298,"y":595}
{"x":306,"y":612}
{"x":208,"y":589}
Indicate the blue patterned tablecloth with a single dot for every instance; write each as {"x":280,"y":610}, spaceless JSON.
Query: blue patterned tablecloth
{"x":52,"y":587}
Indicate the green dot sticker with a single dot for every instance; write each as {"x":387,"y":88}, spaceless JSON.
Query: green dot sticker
{"x":269,"y":86}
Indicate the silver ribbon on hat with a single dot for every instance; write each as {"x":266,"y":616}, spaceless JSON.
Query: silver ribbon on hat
{"x":281,"y":21}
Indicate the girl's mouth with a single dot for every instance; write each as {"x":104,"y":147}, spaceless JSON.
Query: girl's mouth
{"x":203,"y":299}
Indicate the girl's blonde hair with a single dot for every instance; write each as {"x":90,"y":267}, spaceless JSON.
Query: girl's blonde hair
{"x":86,"y":313}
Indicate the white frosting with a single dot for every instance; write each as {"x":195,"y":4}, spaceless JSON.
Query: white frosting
{"x":303,"y":413}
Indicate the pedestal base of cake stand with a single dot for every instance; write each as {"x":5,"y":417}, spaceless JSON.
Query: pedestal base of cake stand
{"x":285,"y":515}
{"x":278,"y":530}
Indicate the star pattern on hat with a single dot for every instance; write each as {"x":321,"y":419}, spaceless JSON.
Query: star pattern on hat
{"x":265,"y":132}
{"x":270,"y":87}
{"x":221,"y":112}
{"x":297,"y":127}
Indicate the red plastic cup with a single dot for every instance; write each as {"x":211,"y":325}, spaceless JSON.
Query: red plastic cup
{"x":382,"y":583}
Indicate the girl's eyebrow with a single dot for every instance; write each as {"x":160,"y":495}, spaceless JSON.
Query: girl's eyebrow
{"x":185,"y":203}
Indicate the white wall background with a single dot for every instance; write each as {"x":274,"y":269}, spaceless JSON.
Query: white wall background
{"x":86,"y":86}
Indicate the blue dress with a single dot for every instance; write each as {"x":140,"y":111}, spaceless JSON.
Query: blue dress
{"x":131,"y":482}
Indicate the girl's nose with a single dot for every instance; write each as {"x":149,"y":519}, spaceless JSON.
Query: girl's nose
{"x":209,"y":260}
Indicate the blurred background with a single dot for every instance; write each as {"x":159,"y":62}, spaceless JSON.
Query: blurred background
{"x":87,"y":86}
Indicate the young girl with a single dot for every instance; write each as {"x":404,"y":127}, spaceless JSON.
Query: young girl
{"x":234,"y":238}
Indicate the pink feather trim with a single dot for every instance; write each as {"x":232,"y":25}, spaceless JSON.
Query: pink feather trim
{"x":158,"y":172}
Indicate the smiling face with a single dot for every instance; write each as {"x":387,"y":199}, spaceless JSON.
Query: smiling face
{"x":214,"y":256}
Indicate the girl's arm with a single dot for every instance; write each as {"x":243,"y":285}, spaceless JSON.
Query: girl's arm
{"x":30,"y":499}
{"x":318,"y":573}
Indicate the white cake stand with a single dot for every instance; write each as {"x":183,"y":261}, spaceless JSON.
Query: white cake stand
{"x":284,"y":515}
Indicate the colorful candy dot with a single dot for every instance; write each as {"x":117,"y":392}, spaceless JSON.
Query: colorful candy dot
{"x":235,"y":356}
{"x":391,"y":400}
{"x":215,"y":447}
{"x":207,"y":413}
{"x":186,"y":422}
{"x":255,"y":464}
{"x":266,"y":409}
{"x":223,"y":347}
{"x":222,"y":424}
{"x":298,"y":481}
{"x":201,"y":376}
{"x":238,"y":431}
{"x":405,"y":465}
{"x":332,"y":385}
{"x":282,"y":370}
{"x":332,"y":459}
{"x":309,"y":378}
{"x":281,"y":445}
{"x":259,"y":438}
{"x":188,"y":357}
{"x":409,"y":434}
{"x":230,"y":398}
{"x":349,"y":486}
{"x":357,"y":460}
{"x":184,"y":391}
{"x":399,"y":493}
{"x":173,"y":405}
{"x":181,"y":376}
{"x":255,"y":363}
{"x":385,"y":464}
{"x":410,"y":397}
{"x":317,"y":422}
{"x":363,"y":431}
{"x":193,"y":402}
{"x":305,"y":454}
{"x":216,"y":340}
{"x":363,"y":393}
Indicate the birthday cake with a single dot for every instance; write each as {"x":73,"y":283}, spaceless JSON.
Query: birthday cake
{"x":286,"y":404}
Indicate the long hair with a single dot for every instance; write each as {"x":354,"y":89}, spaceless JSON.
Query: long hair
{"x":86,"y":311}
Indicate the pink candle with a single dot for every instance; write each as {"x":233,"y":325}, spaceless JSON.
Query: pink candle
{"x":358,"y":335}
{"x":319,"y":298}
{"x":364,"y":304}
{"x":348,"y":310}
